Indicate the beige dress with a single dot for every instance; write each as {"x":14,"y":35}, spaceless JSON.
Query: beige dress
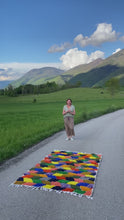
{"x":69,"y":121}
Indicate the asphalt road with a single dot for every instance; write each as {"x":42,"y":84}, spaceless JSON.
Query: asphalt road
{"x":101,"y":135}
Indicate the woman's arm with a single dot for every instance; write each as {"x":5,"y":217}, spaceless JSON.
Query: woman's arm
{"x":68,"y":111}
{"x":65,"y":112}
{"x":73,"y":113}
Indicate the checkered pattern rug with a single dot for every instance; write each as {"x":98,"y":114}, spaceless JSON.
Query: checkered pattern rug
{"x":64,"y":171}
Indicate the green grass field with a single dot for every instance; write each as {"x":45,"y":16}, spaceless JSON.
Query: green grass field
{"x":24,"y":123}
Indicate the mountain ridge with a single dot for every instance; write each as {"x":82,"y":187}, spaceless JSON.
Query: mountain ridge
{"x":83,"y":67}
{"x":38,"y":76}
{"x":95,"y":73}
{"x":112,"y":66}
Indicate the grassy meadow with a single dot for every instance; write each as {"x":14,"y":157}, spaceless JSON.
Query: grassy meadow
{"x":24,"y":123}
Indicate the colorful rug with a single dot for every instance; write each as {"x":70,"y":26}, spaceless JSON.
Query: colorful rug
{"x":62,"y":171}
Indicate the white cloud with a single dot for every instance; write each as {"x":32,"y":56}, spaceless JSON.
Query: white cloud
{"x":95,"y":55}
{"x":13,"y":71}
{"x":4,"y":78}
{"x":55,"y":48}
{"x":117,"y":50}
{"x":122,"y":38}
{"x":103,"y":33}
{"x":81,"y":40}
{"x":74,"y":57}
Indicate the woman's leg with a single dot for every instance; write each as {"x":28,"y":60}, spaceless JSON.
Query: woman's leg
{"x":71,"y":126}
{"x":66,"y":123}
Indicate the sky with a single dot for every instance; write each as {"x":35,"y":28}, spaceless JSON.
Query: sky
{"x":55,"y":33}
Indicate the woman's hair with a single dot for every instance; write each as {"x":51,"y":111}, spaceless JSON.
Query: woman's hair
{"x":68,"y":99}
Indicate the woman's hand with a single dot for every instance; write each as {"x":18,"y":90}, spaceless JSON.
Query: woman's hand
{"x":68,"y":111}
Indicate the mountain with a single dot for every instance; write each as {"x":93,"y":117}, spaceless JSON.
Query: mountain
{"x":42,"y":75}
{"x":113,"y":66}
{"x":83,"y":68}
{"x":66,"y":76}
{"x":93,"y":74}
{"x":38,"y":76}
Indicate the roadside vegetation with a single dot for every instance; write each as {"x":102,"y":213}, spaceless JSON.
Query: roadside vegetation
{"x":28,"y":119}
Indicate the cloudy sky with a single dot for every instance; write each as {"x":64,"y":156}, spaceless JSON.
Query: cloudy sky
{"x":63,"y":34}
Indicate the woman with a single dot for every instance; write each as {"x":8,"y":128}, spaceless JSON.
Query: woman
{"x":68,"y":114}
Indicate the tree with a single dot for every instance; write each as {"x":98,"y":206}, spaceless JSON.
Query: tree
{"x":78,"y":84}
{"x":1,"y":91}
{"x":113,"y":85}
{"x":10,"y":91}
